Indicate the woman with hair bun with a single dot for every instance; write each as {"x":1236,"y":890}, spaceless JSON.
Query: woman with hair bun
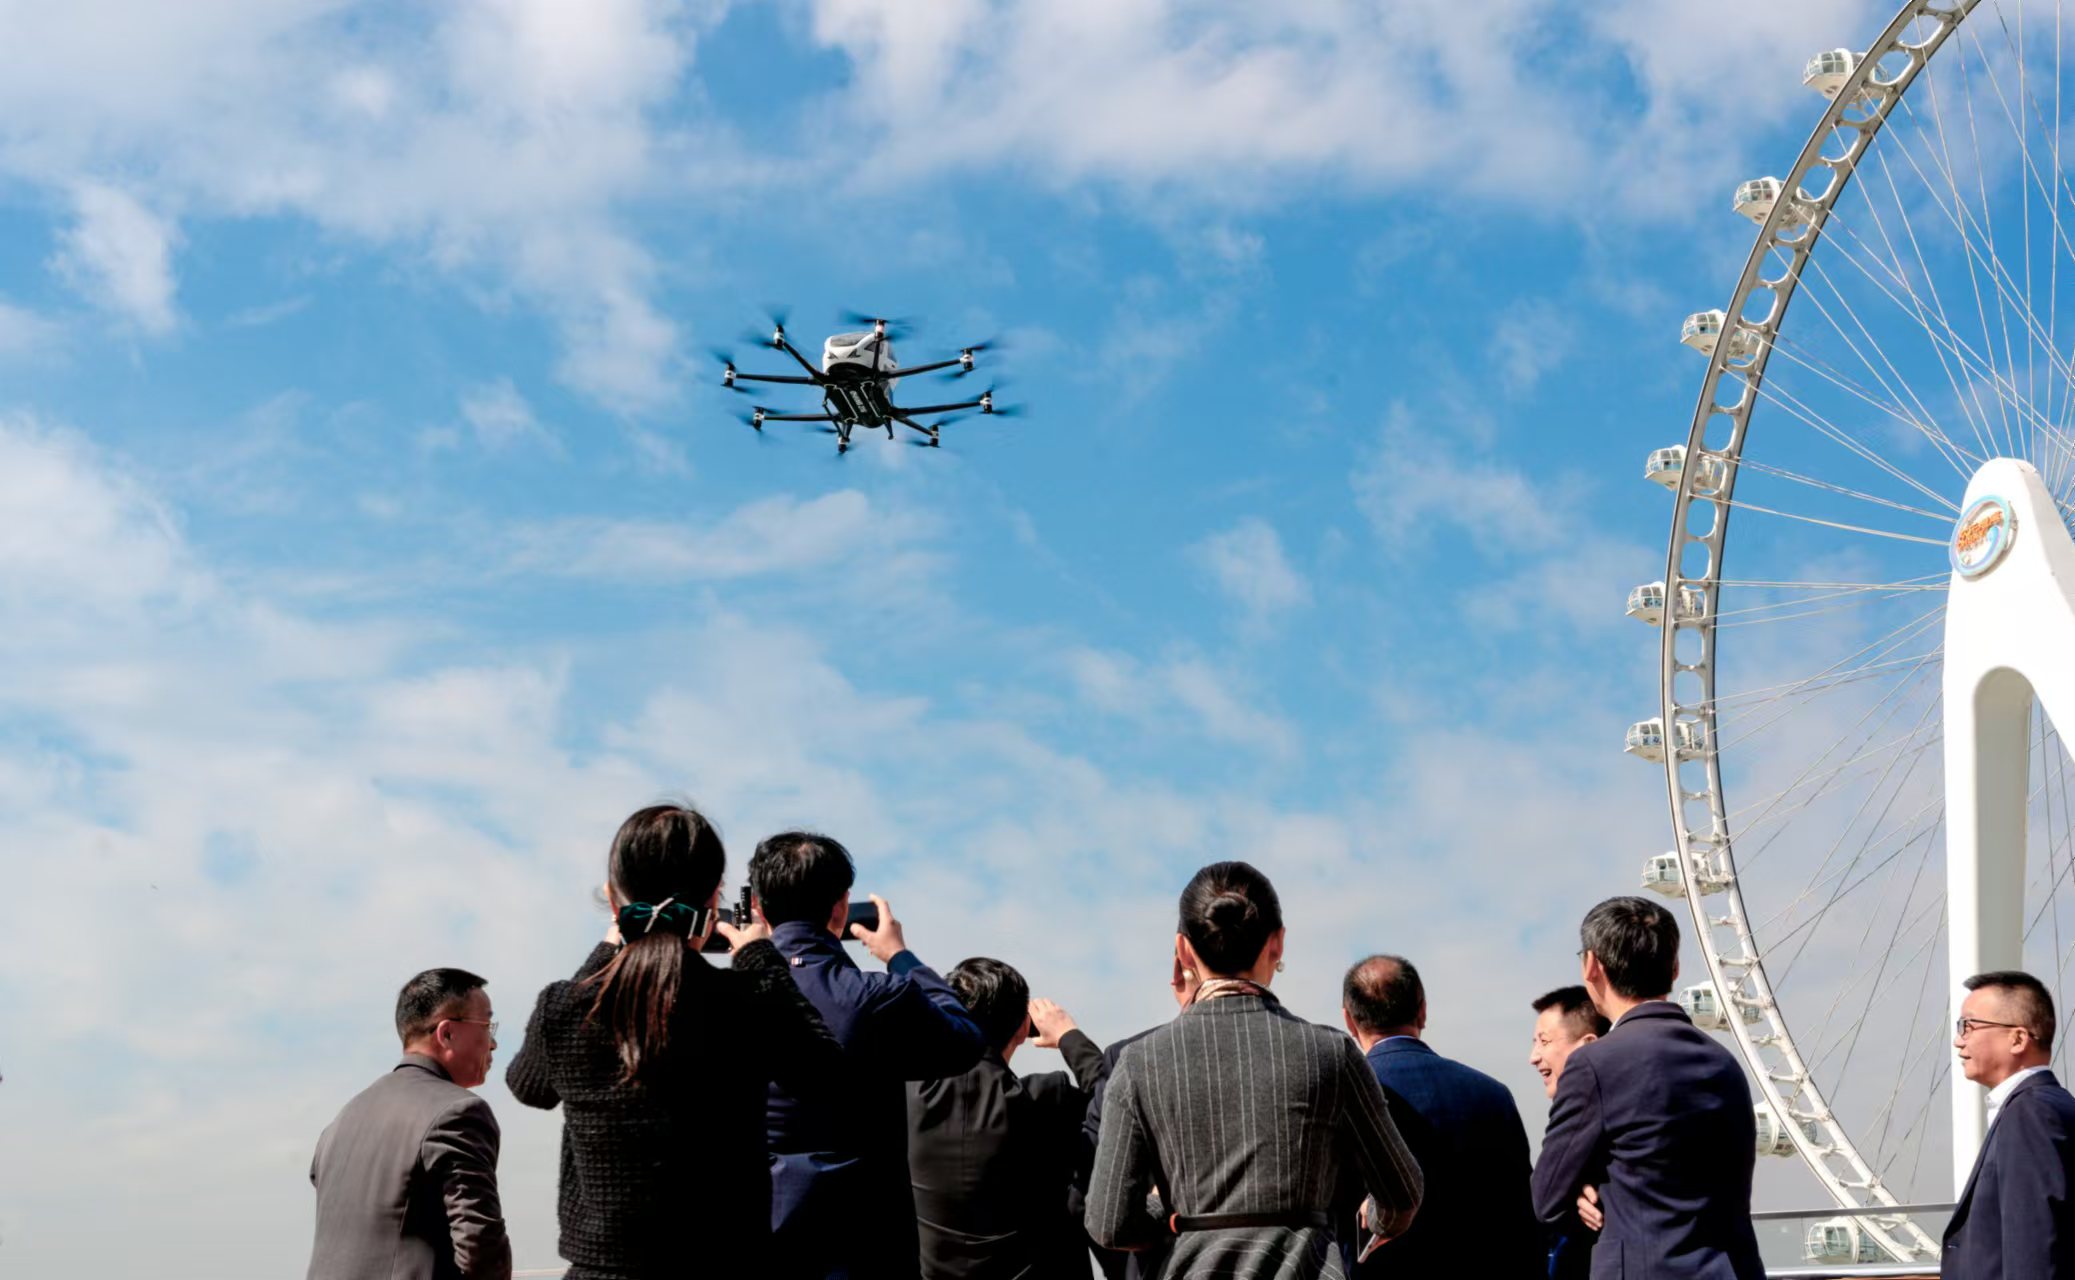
{"x":1245,"y":1121}
{"x":661,"y":1062}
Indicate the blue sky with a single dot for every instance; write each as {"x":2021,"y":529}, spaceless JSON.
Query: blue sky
{"x":373,"y":535}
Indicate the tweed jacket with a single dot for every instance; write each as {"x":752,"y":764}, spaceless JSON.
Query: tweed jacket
{"x":406,"y":1181}
{"x":1239,"y":1106}
{"x":657,"y":1176}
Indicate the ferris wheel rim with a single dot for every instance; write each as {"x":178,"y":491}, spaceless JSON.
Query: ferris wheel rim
{"x":1836,"y":1161}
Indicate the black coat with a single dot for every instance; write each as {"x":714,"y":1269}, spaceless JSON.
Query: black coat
{"x":2013,"y":1221}
{"x":1657,"y":1115}
{"x":992,"y":1155}
{"x":671,"y":1177}
{"x":1466,"y":1134}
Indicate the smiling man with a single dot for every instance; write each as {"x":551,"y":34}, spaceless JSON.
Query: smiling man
{"x":2013,"y":1218}
{"x":406,"y":1177}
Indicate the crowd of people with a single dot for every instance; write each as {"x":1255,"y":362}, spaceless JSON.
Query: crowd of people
{"x":795,"y":1115}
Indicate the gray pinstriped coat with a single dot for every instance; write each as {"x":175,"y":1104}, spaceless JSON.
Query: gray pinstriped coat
{"x":1239,"y":1106}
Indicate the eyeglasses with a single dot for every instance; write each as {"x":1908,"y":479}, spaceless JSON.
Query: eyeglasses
{"x":490,"y":1023}
{"x":1963,"y":1027}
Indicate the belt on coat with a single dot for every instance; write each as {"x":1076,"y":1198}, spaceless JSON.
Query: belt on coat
{"x":1296,"y":1218}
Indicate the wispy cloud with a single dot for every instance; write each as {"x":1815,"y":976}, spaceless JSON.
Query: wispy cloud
{"x":120,"y":255}
{"x":502,"y":419}
{"x":1247,"y":564}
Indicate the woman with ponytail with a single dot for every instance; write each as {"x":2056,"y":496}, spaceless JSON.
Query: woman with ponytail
{"x":1248,"y":1123}
{"x":661,"y":1062}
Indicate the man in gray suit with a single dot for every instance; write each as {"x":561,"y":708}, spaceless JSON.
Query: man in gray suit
{"x":406,"y":1176}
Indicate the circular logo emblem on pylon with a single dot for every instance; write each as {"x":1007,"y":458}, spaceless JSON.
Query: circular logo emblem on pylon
{"x":1982,"y":537}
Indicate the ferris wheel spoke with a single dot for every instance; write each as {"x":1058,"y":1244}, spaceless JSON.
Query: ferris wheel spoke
{"x":1922,"y":414}
{"x":1947,"y":340}
{"x":1881,"y":647}
{"x":1814,"y":773}
{"x":1947,"y":448}
{"x":1970,"y":401}
{"x":1768,"y":390}
{"x":1893,"y":406}
{"x":1956,"y":215}
{"x":1778,"y":919}
{"x":1777,"y":610}
{"x":1880,"y":983}
{"x":1814,"y":923}
{"x":1761,"y":468}
{"x":1794,"y":688}
{"x":1741,"y":505}
{"x":1997,"y":274}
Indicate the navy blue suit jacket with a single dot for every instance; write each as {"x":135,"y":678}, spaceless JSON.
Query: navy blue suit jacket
{"x":1466,"y":1133}
{"x":840,"y":1196}
{"x":2013,"y":1219}
{"x":1657,"y":1115}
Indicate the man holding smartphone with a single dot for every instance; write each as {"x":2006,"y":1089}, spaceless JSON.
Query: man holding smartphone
{"x":841,"y":1200}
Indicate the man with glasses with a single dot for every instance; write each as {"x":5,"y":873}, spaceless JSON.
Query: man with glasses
{"x":406,"y":1176}
{"x":2013,"y":1218}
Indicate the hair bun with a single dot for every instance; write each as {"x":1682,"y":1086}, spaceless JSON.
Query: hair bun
{"x":1231,"y":910}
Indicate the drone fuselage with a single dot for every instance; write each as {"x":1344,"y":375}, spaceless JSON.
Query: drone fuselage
{"x":858,"y":391}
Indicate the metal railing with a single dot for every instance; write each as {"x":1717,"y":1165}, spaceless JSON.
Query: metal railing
{"x":1922,"y":1269}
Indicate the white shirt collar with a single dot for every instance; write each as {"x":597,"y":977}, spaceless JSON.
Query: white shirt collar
{"x":2001,"y":1093}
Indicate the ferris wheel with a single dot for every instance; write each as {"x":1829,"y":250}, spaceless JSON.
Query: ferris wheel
{"x":1868,"y":795}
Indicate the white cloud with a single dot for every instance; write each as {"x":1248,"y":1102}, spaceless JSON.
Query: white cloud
{"x":497,"y":139}
{"x":1507,"y":101}
{"x":1531,"y":339}
{"x":501,"y":418}
{"x":120,"y":255}
{"x":1416,"y":484}
{"x":1247,"y":564}
{"x":769,"y":535}
{"x":25,"y":333}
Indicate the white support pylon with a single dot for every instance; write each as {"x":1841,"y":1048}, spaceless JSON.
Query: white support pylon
{"x":2009,"y":638}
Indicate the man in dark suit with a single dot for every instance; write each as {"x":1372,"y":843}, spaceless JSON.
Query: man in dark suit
{"x":992,"y":1154}
{"x":841,"y":1203}
{"x":1654,"y":1115}
{"x":1565,"y":1019}
{"x":1462,"y":1127}
{"x":2014,"y":1218}
{"x":406,"y":1176}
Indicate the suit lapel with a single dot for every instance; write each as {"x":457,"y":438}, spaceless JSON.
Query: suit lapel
{"x":1981,"y":1157}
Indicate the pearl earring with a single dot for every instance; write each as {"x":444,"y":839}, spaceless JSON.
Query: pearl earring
{"x":1278,"y":966}
{"x":1188,"y":975}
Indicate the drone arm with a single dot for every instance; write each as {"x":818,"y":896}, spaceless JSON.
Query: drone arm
{"x":775,"y":377}
{"x":924,"y":368}
{"x":910,"y":423}
{"x":799,"y":417}
{"x":937,"y":408}
{"x":813,"y":375}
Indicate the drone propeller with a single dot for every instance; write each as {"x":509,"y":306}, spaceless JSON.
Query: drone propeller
{"x":727,"y":374}
{"x":993,"y":410}
{"x":966,"y":354}
{"x":897,"y":327}
{"x":754,"y":418}
{"x":777,"y":315}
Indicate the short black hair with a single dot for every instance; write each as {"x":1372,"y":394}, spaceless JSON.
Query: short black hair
{"x":2032,"y":1002}
{"x":800,"y":875}
{"x":431,"y":996}
{"x":1383,"y":993}
{"x":997,"y":996}
{"x":1580,"y":1014}
{"x":1637,"y":943}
